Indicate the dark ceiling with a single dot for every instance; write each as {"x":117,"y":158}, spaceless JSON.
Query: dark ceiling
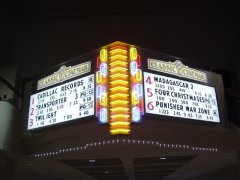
{"x":29,"y":8}
{"x":150,"y":168}
{"x":54,"y":31}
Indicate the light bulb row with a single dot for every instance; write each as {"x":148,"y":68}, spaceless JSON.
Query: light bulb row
{"x":125,"y":141}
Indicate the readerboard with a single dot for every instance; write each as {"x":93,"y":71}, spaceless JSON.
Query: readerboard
{"x":178,"y":98}
{"x":62,"y":103}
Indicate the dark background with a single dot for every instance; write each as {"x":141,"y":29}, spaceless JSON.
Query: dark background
{"x":40,"y":34}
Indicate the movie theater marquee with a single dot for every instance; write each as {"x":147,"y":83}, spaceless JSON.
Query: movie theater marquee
{"x":119,"y":93}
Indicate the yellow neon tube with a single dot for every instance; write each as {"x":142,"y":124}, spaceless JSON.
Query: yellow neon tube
{"x":118,"y":126}
{"x":99,"y":77}
{"x":118,"y":47}
{"x":119,"y":88}
{"x":120,"y":95}
{"x":117,"y":63}
{"x":120,"y":131}
{"x":103,"y":55}
{"x":135,"y":98}
{"x":139,"y":75}
{"x":114,"y":82}
{"x":119,"y":120}
{"x":118,"y":51}
{"x":120,"y":116}
{"x":119,"y":105}
{"x":133,"y":54}
{"x":119,"y":109}
{"x":119,"y":69}
{"x":119,"y":102}
{"x":123,"y":57}
{"x":118,"y":75}
{"x":119,"y":112}
{"x":103,"y":100}
{"x":120,"y":123}
{"x":116,"y":97}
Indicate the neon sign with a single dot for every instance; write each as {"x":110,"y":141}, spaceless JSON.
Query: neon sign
{"x":118,"y":96}
{"x":119,"y":92}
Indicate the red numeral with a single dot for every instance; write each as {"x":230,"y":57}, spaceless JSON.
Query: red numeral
{"x":149,"y":90}
{"x":150,"y":106}
{"x":148,"y":80}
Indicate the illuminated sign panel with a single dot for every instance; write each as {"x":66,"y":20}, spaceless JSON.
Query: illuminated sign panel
{"x":115,"y":93}
{"x":177,"y":98}
{"x":62,"y":103}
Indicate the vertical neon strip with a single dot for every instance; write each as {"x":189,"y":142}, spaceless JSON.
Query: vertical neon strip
{"x":119,"y":100}
{"x":119,"y":89}
{"x":102,"y":86}
{"x":137,"y":109}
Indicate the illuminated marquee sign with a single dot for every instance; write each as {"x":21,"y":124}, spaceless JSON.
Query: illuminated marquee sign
{"x":62,"y":103}
{"x":64,"y":73}
{"x":119,"y":91}
{"x":116,"y":94}
{"x":173,"y":97}
{"x":177,"y":68}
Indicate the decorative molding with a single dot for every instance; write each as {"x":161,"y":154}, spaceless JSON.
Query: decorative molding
{"x":64,"y":73}
{"x":177,"y":68}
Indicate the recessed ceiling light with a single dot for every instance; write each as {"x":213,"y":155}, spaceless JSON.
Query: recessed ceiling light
{"x":162,"y":158}
{"x":92,"y":160}
{"x":106,"y":172}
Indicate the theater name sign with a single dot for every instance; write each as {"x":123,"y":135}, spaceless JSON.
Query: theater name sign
{"x":123,"y":85}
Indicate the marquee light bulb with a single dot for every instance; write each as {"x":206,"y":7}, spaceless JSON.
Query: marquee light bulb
{"x":133,"y":141}
{"x":133,"y":54}
{"x":136,"y":114}
{"x":103,"y":99}
{"x":139,"y":75}
{"x":103,"y":55}
{"x":140,"y":89}
{"x":133,"y":67}
{"x":103,"y":69}
{"x":99,"y":77}
{"x":135,"y":98}
{"x":103,"y":115}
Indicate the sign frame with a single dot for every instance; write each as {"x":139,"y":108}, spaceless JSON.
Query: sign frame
{"x":72,"y":62}
{"x":149,"y":54}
